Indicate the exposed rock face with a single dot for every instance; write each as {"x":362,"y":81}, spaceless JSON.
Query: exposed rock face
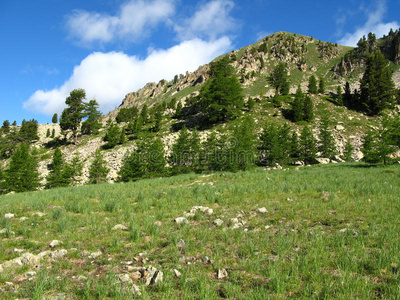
{"x":391,"y":47}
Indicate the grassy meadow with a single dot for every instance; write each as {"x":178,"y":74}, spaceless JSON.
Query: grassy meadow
{"x":330,"y":232}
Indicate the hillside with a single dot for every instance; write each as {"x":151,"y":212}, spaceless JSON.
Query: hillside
{"x":303,"y":56}
{"x":322,"y":232}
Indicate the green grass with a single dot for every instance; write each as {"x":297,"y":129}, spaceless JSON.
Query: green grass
{"x":331,"y":232}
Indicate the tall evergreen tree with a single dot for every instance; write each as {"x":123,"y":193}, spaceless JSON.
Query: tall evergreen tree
{"x":6,"y":126}
{"x":348,"y":151}
{"x":297,"y":105}
{"x":28,"y":131}
{"x":98,"y":170}
{"x":321,"y":86}
{"x":55,"y":177}
{"x":312,"y":85}
{"x":308,"y":109}
{"x":221,"y":97}
{"x":242,"y":147}
{"x":307,"y":145}
{"x":327,"y":142}
{"x":279,"y":79}
{"x":92,"y":113}
{"x":54,"y":119}
{"x":275,"y":144}
{"x":22,"y":174}
{"x":377,"y":87}
{"x":157,"y":120}
{"x":348,"y":97}
{"x":179,"y":158}
{"x":112,"y":136}
{"x":73,"y":114}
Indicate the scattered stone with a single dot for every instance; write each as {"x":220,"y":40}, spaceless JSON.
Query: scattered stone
{"x":268,"y":226}
{"x":18,"y":250}
{"x":218,"y":222}
{"x":262,"y":210}
{"x":82,"y":278}
{"x":55,"y":243}
{"x":9,"y":216}
{"x":8,"y":283}
{"x":177,"y":273}
{"x":39,"y":214}
{"x":322,"y":160}
{"x":343,"y":230}
{"x":120,"y":227}
{"x":154,"y":276}
{"x":4,"y":230}
{"x":23,"y":219}
{"x":58,"y":254}
{"x":125,"y":278}
{"x":94,"y":255}
{"x":339,"y":127}
{"x":222,"y":274}
{"x":135,"y":276}
{"x":181,"y":244}
{"x":181,"y":220}
{"x":158,"y":223}
{"x":31,"y":274}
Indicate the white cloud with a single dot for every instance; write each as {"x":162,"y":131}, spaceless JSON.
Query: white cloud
{"x":374,"y":24}
{"x":108,"y":77}
{"x":133,"y":21}
{"x":210,"y":21}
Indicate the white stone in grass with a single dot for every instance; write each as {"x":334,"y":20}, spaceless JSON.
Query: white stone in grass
{"x":125,"y":278}
{"x":39,"y":214}
{"x":94,"y":255}
{"x":262,"y":210}
{"x":181,"y":244}
{"x":55,"y":243}
{"x":136,"y":290}
{"x":177,"y":273}
{"x":181,"y":220}
{"x":4,"y":230}
{"x":9,"y":216}
{"x":23,"y":218}
{"x":18,"y":250}
{"x":120,"y":227}
{"x":222,"y":274}
{"x":218,"y":222}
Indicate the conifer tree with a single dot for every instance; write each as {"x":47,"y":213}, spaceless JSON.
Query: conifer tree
{"x":312,"y":85}
{"x":194,"y":150}
{"x":297,"y":105}
{"x":56,"y":176}
{"x":321,"y":86}
{"x":250,"y":103}
{"x":112,"y":136}
{"x":54,"y":119}
{"x":307,"y":145}
{"x":348,"y":151}
{"x":92,"y":124}
{"x":98,"y":170}
{"x":22,"y":174}
{"x":6,"y":126}
{"x":294,"y":146}
{"x":144,"y":113}
{"x":242,"y":147}
{"x":178,"y":111}
{"x":53,"y":133}
{"x":327,"y":142}
{"x":28,"y":131}
{"x":275,"y":144}
{"x":179,"y":158}
{"x":209,"y":153}
{"x":48,"y":132}
{"x":377,"y":87}
{"x":158,"y":120}
{"x":221,"y":97}
{"x":347,"y":97}
{"x":73,"y":114}
{"x":122,"y":136}
{"x":308,"y":109}
{"x":279,"y":79}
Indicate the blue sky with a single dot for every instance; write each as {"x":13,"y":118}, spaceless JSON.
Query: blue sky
{"x":113,"y":47}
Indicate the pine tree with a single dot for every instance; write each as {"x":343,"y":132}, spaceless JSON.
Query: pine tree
{"x":54,"y":119}
{"x":250,"y":104}
{"x":312,"y":85}
{"x":28,"y":131}
{"x":194,"y":150}
{"x":178,"y":111}
{"x":122,"y":136}
{"x":98,"y":170}
{"x":180,"y":153}
{"x":55,"y":177}
{"x":279,"y":79}
{"x":321,"y":86}
{"x":155,"y":160}
{"x":92,"y":113}
{"x":73,"y":114}
{"x":275,"y":144}
{"x":6,"y":126}
{"x":112,"y":136}
{"x":158,"y":120}
{"x":377,"y":87}
{"x":48,"y":132}
{"x":348,"y":151}
{"x":297,"y":105}
{"x":53,"y":133}
{"x":347,"y":97}
{"x":144,"y":113}
{"x":307,"y":145}
{"x":308,"y":109}
{"x":242,"y":147}
{"x":22,"y":174}
{"x":327,"y":142}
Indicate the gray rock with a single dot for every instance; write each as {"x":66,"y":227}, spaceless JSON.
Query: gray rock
{"x":125,"y":278}
{"x":181,"y":244}
{"x":120,"y":227}
{"x":154,"y":276}
{"x":339,"y":127}
{"x":322,"y":160}
{"x":9,"y":216}
{"x":136,"y":290}
{"x":181,"y":220}
{"x":55,"y":243}
{"x":218,"y":222}
{"x":262,"y":210}
{"x":222,"y":274}
{"x":177,"y":273}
